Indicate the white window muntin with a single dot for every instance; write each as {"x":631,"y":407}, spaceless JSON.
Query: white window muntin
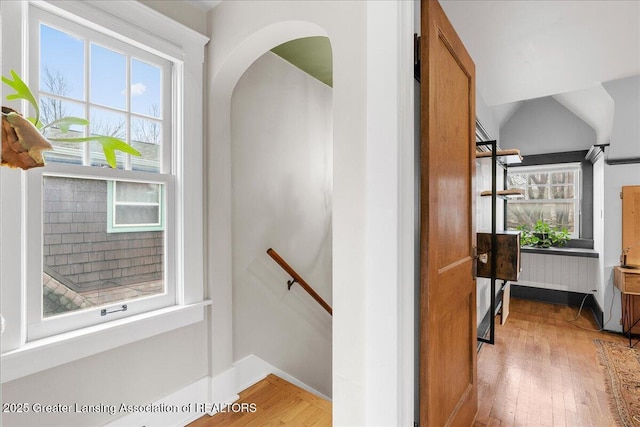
{"x":38,"y":325}
{"x":551,"y":168}
{"x":91,"y":36}
{"x":115,"y":225}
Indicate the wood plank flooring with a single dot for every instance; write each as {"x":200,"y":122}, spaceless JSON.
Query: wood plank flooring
{"x":278,"y":403}
{"x":543,"y":370}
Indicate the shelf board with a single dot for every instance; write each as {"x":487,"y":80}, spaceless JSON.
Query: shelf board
{"x":509,"y":156}
{"x":505,"y":194}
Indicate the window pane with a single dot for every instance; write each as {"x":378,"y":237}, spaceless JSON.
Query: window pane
{"x":61,"y":64}
{"x":137,"y":192}
{"x":517,"y":181}
{"x":106,"y":123}
{"x":108,"y":77}
{"x":538,"y":193}
{"x":538,"y":178}
{"x":147,"y":139}
{"x":137,"y":215}
{"x":63,"y":152}
{"x":146,"y":95}
{"x":562,"y":177}
{"x":559,"y":215}
{"x":84,"y":266}
{"x":562,"y":192}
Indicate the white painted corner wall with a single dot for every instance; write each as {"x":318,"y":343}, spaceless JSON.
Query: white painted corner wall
{"x":282,"y":141}
{"x":362,"y":357}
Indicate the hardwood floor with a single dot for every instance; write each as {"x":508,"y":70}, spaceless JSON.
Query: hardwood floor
{"x":543,"y":370}
{"x":277,"y":403}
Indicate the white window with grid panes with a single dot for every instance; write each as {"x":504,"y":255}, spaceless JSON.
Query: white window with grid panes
{"x":551,"y":194}
{"x":102,"y":246}
{"x":88,"y":273}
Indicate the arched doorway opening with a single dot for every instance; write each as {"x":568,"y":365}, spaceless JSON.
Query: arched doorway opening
{"x":271,"y":159}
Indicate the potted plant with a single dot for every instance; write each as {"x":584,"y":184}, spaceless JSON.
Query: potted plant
{"x":24,"y":139}
{"x":543,"y":235}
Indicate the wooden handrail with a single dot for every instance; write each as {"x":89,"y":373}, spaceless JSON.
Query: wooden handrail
{"x":296,"y":278}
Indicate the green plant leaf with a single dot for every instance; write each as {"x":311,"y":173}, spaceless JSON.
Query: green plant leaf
{"x":22,"y":92}
{"x":543,"y":235}
{"x":109,"y":146}
{"x":66,"y":122}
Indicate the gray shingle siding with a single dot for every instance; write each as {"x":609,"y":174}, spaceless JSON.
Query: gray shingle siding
{"x":78,"y":247}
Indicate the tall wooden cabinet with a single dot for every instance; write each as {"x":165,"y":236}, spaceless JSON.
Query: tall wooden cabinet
{"x":627,"y":275}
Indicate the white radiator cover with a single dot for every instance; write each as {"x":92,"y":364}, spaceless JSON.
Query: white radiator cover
{"x":559,"y":272}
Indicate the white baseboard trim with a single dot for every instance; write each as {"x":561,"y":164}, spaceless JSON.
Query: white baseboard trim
{"x":207,"y":394}
{"x":252,"y":369}
{"x":180,"y":408}
{"x":224,"y":387}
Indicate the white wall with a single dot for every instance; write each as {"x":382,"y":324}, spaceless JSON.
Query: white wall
{"x":545,"y":126}
{"x":625,"y":143}
{"x":282,"y":138}
{"x":135,"y":374}
{"x":373,"y":140}
{"x":614,"y":178}
{"x":599,"y":230}
{"x":625,"y":137}
{"x":487,"y":117}
{"x":181,"y":11}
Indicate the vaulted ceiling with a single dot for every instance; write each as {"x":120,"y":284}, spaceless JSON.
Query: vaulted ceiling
{"x":527,"y":49}
{"x":562,"y":48}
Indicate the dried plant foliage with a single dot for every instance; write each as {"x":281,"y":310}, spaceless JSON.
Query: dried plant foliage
{"x":22,"y":143}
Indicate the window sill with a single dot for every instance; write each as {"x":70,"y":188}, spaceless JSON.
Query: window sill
{"x":53,"y":351}
{"x":564,"y":251}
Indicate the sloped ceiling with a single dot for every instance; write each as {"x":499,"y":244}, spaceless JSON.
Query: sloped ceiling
{"x":310,"y":54}
{"x":564,"y":48}
{"x":530,"y":49}
{"x":526,"y":49}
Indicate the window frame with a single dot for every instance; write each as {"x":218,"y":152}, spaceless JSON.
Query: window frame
{"x":550,"y":168}
{"x":112,"y":204}
{"x":40,"y":326}
{"x":144,"y":28}
{"x":91,"y":36}
{"x":585,"y":239}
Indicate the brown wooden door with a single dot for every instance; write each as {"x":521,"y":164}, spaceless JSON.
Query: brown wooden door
{"x":448,"y":391}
